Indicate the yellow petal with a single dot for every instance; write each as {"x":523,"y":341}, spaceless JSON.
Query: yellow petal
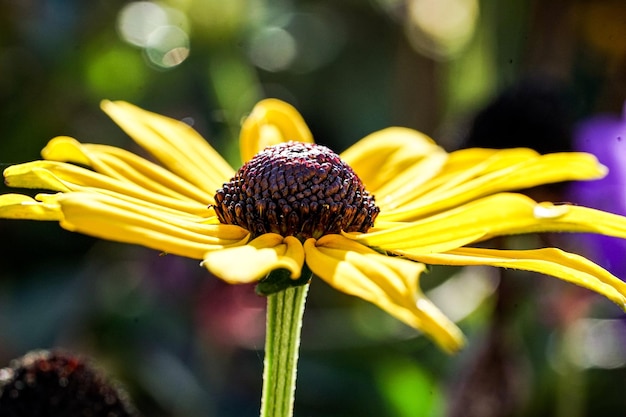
{"x":550,"y":261}
{"x":548,"y":217}
{"x":487,"y":160}
{"x":447,"y":230}
{"x":393,"y":161}
{"x":485,"y":180}
{"x":66,"y":149}
{"x":467,"y":164}
{"x":389,"y":283}
{"x":64,"y":177}
{"x":17,"y":206}
{"x":118,"y":220}
{"x":271,"y":122}
{"x":252,"y":262}
{"x":175,"y":144}
{"x":33,"y":175}
{"x":496,"y":215}
{"x":125,"y":166}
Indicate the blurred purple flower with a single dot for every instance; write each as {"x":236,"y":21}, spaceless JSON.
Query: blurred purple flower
{"x":605,"y":137}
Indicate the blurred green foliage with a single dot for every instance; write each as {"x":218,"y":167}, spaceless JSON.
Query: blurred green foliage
{"x":185,"y":344}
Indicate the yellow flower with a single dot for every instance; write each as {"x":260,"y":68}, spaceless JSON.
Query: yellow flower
{"x":296,"y":204}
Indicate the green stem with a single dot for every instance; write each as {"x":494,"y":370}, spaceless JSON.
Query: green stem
{"x":282,"y":342}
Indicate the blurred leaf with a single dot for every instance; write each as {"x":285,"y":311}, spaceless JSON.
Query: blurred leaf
{"x":409,"y":390}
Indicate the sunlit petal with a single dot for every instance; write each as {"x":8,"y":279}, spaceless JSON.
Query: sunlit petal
{"x":466,"y":164}
{"x":64,"y":177}
{"x":17,"y":206}
{"x":484,"y":180}
{"x":114,"y":219}
{"x":271,"y":122}
{"x":550,"y":261}
{"x":390,"y":283}
{"x":394,"y":162}
{"x":125,"y":166}
{"x":175,"y":144}
{"x":485,"y":160}
{"x":500,"y":214}
{"x":252,"y":262}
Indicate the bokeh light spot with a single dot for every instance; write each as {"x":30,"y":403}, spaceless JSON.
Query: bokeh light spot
{"x":272,"y":49}
{"x":441,"y":28}
{"x":159,"y":30}
{"x":597,"y":343}
{"x":167,"y":46}
{"x":319,"y":37}
{"x":137,"y":21}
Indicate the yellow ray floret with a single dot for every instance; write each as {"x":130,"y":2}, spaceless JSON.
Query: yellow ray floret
{"x":394,"y":161}
{"x":250,"y":263}
{"x":64,"y":177}
{"x":175,"y":144}
{"x":550,"y":261}
{"x":18,"y":206}
{"x":482,"y":180}
{"x":270,"y":123}
{"x":390,"y":283}
{"x":496,"y":215}
{"x":124,"y":166}
{"x":115,"y":219}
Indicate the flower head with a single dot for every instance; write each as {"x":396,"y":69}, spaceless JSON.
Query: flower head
{"x":295,"y":204}
{"x":296,"y":189}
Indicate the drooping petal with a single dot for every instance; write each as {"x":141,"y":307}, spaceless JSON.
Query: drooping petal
{"x":252,"y":262}
{"x":175,"y":144}
{"x":496,"y":215}
{"x":393,"y":163}
{"x":18,"y":206}
{"x":484,"y":180}
{"x":125,"y":166}
{"x":271,"y":122}
{"x":390,"y":283}
{"x":550,"y":261}
{"x":64,"y":177}
{"x":118,"y":220}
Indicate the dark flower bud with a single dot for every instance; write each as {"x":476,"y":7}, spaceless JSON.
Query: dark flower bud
{"x":59,"y":384}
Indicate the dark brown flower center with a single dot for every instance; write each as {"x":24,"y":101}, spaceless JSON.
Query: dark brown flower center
{"x":296,"y":189}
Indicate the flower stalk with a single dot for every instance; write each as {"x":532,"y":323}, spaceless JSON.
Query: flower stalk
{"x":282,"y":343}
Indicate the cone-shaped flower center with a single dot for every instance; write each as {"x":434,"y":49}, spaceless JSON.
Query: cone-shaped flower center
{"x":296,"y":189}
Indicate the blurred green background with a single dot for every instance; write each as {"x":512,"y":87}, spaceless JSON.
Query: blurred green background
{"x":467,"y":72}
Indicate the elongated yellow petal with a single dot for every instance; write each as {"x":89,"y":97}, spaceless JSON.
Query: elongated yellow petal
{"x":531,"y":172}
{"x":550,"y":261}
{"x":18,"y":206}
{"x":34,"y":175}
{"x":175,"y":144}
{"x":548,"y":217}
{"x":252,"y":262}
{"x":390,"y":283}
{"x":394,"y":161}
{"x":64,"y":177}
{"x":118,"y":220}
{"x":467,"y":164}
{"x":271,"y":122}
{"x":125,"y":166}
{"x":487,"y":160}
{"x":447,"y":230}
{"x":499,"y":214}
